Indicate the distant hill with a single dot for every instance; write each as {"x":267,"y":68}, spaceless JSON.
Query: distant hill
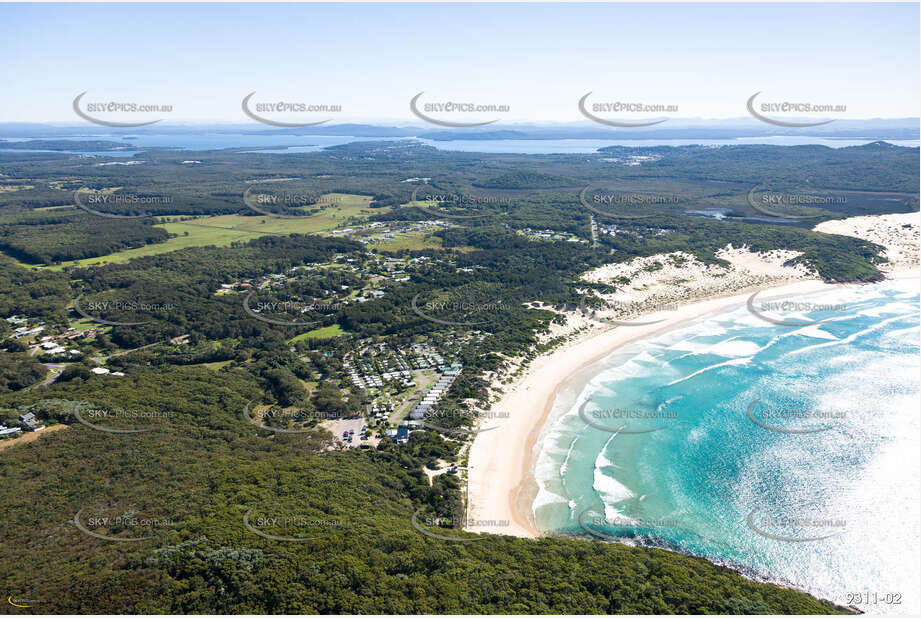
{"x":676,"y":128}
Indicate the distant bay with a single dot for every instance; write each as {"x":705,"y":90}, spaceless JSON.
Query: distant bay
{"x":290,"y":144}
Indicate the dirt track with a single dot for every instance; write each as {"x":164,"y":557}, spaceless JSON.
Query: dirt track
{"x":29,"y":436}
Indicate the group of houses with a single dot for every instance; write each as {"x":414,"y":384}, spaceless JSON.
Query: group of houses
{"x":436,"y":391}
{"x":381,"y":410}
{"x":400,"y":435}
{"x":49,"y":344}
{"x":391,"y":366}
{"x":101,"y":371}
{"x":8,"y":431}
{"x":378,"y":231}
{"x":27,"y":420}
{"x":551,"y":235}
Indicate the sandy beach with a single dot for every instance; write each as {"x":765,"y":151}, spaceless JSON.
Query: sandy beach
{"x":501,"y":487}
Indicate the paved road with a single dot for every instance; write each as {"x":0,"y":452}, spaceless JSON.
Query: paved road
{"x":422,"y":384}
{"x":55,"y":371}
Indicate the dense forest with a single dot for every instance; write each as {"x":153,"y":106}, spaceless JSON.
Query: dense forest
{"x":188,"y":484}
{"x":18,"y":370}
{"x":39,"y":293}
{"x":49,"y":238}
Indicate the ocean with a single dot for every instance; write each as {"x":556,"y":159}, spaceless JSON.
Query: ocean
{"x":788,"y":451}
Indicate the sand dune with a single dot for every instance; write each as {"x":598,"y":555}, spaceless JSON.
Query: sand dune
{"x":898,"y":233}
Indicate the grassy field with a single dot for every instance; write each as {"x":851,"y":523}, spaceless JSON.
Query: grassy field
{"x":187,"y":236}
{"x":216,"y":366}
{"x":222,"y":230}
{"x":327,"y":332}
{"x":413,"y":241}
{"x":83,"y":324}
{"x":343,"y":207}
{"x":308,"y":386}
{"x":14,"y":188}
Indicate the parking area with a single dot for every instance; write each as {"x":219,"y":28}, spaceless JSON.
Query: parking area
{"x":348,"y":431}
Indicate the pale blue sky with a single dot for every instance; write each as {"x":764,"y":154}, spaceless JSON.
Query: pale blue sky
{"x":537,"y":58}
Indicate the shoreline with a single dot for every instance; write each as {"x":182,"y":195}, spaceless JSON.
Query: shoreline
{"x":501,"y":484}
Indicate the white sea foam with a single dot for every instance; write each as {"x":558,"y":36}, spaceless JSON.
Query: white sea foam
{"x":729,"y":347}
{"x":545,"y":497}
{"x":690,"y":346}
{"x":850,"y":338}
{"x":866,"y":471}
{"x":865,"y":468}
{"x":730,"y":362}
{"x":609,"y":489}
{"x":744,"y":318}
{"x":903,"y":333}
{"x":900,"y":308}
{"x":664,"y":405}
{"x":696,"y":434}
{"x":814,"y":331}
{"x":645,"y":357}
{"x":564,"y":466}
{"x":601,"y":460}
{"x":735,"y":348}
{"x":611,"y":492}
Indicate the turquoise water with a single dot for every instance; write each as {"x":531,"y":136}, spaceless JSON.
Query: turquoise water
{"x":817,"y":485}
